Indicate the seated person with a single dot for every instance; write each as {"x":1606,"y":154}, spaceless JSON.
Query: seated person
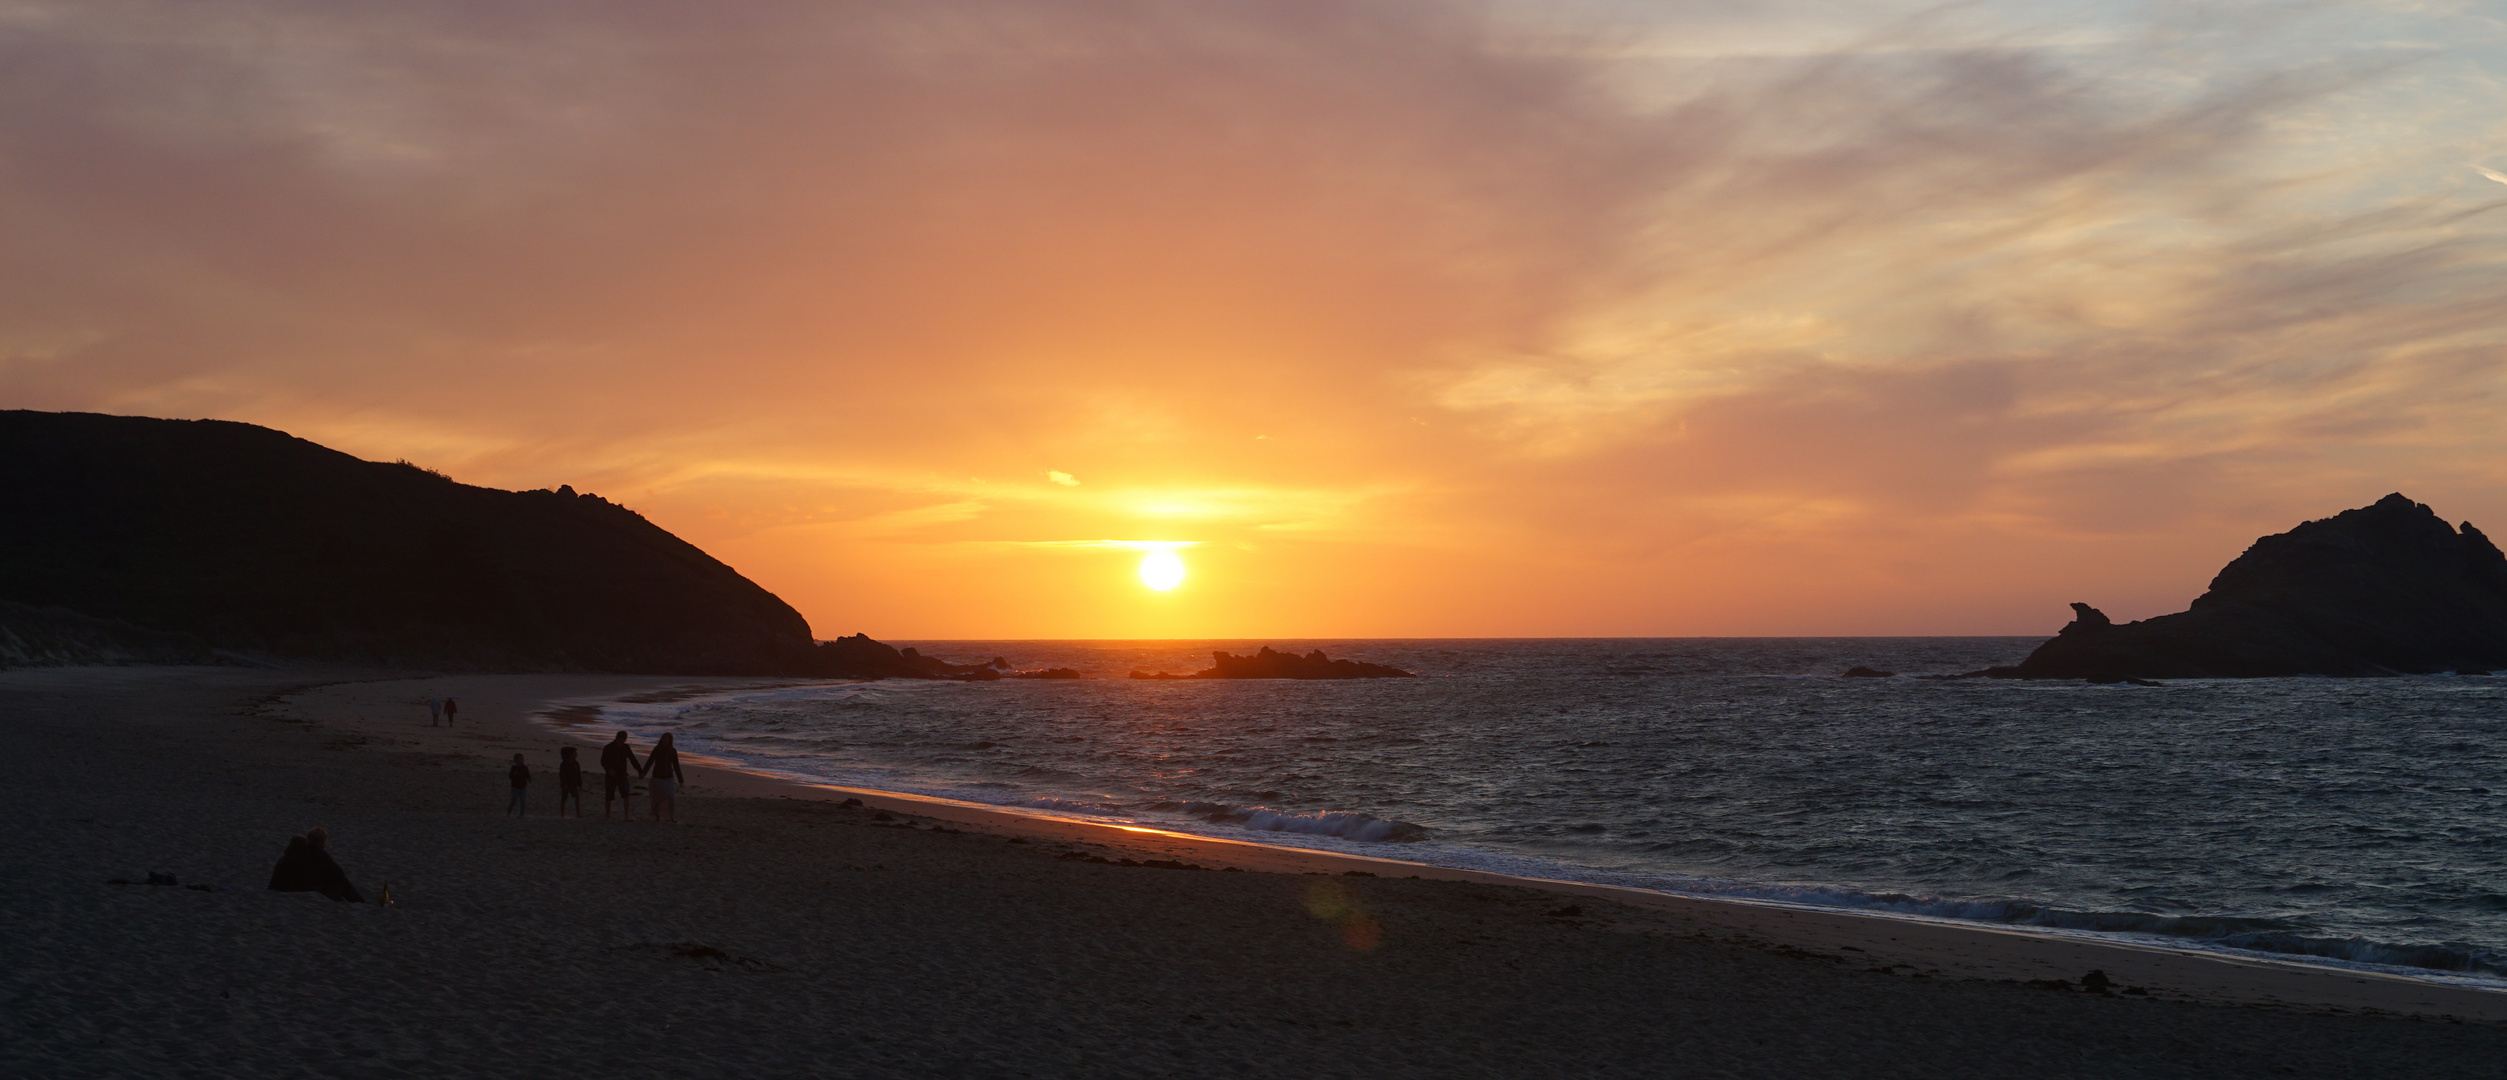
{"x":307,"y":867}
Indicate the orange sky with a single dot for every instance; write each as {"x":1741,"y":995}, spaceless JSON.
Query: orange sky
{"x":1417,"y":319}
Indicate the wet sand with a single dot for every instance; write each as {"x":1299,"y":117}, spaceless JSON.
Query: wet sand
{"x":778,"y":932}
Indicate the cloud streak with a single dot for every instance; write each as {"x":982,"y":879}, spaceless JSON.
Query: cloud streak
{"x":1434,"y":318}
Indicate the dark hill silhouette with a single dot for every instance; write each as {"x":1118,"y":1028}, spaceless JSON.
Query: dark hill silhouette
{"x":2386,"y":589}
{"x":230,"y":536}
{"x":49,"y":637}
{"x":1279,"y":665}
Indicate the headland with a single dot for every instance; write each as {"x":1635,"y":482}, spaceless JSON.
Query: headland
{"x":2385,"y":589}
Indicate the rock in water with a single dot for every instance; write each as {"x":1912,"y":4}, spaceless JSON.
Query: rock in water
{"x":1268,"y":664}
{"x":2388,"y":589}
{"x":859,"y":657}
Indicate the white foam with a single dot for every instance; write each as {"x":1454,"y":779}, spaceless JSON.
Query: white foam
{"x":1348,"y":826}
{"x":1068,"y":806}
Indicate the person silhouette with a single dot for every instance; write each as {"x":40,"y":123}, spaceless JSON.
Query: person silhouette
{"x":520,"y":777}
{"x":307,"y":866}
{"x":619,"y":768}
{"x":569,"y":781}
{"x":662,"y":765}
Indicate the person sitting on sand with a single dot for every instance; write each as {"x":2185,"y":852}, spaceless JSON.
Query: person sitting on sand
{"x":307,"y":867}
{"x":290,"y":875}
{"x":619,"y":768}
{"x":663,"y":766}
{"x":569,"y":781}
{"x":520,"y":775}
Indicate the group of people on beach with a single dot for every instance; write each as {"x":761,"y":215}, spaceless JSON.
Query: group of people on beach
{"x":619,"y":769}
{"x":442,"y":710}
{"x":307,"y":866}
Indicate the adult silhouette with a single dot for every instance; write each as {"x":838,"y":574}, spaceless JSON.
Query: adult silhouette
{"x":662,"y":765}
{"x":619,"y":768}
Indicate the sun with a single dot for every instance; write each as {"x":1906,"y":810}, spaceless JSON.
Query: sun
{"x":1161,"y":570}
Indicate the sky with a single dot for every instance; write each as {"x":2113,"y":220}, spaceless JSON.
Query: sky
{"x":1385,"y":317}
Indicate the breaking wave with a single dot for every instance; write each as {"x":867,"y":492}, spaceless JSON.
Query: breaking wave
{"x":1346,"y":825}
{"x":2271,"y":936}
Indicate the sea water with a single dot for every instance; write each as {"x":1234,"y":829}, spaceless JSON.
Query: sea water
{"x":2352,"y":822}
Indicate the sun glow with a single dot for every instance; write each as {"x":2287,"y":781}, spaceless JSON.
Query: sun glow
{"x":1161,"y":570}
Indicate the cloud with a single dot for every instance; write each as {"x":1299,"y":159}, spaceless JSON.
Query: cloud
{"x":1114,"y":545}
{"x":1671,"y":307}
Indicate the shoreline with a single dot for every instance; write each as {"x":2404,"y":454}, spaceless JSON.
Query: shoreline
{"x":779,"y":932}
{"x":506,"y":713}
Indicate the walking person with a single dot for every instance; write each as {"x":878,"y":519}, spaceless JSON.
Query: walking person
{"x":451,"y":709}
{"x":569,"y":781}
{"x":520,"y":775}
{"x":619,"y":768}
{"x":435,"y":711}
{"x":663,"y":766}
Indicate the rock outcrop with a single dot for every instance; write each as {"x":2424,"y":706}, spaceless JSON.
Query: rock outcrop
{"x":2387,"y":589}
{"x":859,"y":657}
{"x":1279,"y":665}
{"x":1046,"y":673}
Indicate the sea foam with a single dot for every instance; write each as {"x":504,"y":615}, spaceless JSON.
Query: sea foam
{"x":1344,"y":824}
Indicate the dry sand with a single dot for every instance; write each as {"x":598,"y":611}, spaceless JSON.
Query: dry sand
{"x":779,"y":933}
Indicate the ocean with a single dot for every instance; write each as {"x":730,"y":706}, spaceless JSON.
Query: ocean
{"x":2349,"y":822}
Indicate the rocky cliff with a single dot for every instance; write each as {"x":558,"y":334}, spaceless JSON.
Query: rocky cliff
{"x":2382,"y":590}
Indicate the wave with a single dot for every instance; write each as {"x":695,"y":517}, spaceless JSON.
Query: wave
{"x":1347,"y":825}
{"x":2255,"y":935}
{"x":1070,"y":806}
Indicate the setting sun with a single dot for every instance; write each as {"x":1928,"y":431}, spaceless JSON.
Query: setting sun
{"x":1161,"y":570}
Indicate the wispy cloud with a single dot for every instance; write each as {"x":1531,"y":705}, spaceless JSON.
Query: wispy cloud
{"x":1661,"y":315}
{"x":1111,"y":545}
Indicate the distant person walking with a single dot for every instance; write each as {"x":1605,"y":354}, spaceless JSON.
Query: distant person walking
{"x":435,"y":711}
{"x":307,"y":867}
{"x":520,"y":775}
{"x":619,"y":768}
{"x":569,"y":781}
{"x":663,"y":766}
{"x":452,"y":709}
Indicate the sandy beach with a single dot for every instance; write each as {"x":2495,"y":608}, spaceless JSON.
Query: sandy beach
{"x":780,"y":932}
